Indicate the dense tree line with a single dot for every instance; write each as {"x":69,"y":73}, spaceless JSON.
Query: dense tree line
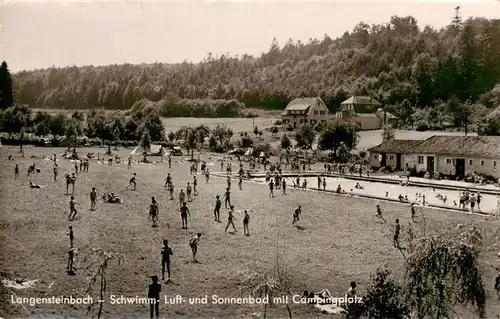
{"x":6,"y":90}
{"x":391,"y":62}
{"x":109,"y":128}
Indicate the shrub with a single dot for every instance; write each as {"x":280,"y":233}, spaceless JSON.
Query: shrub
{"x":422,"y":127}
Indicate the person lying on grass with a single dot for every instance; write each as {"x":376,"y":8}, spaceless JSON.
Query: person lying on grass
{"x":111,"y":198}
{"x":33,"y":185}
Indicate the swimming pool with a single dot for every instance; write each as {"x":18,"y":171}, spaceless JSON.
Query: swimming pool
{"x":489,"y":203}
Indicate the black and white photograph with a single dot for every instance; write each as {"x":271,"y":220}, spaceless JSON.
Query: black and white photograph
{"x":250,"y":159}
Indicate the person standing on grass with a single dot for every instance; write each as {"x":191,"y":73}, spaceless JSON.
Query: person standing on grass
{"x":240,"y":183}
{"x":379,"y":213}
{"x":246,"y":221}
{"x":472,"y":200}
{"x":324,"y":183}
{"x":169,"y":161}
{"x":182,"y":197}
{"x":397,"y":230}
{"x":93,"y":199}
{"x":70,"y":180}
{"x":193,"y":243}
{"x":218,"y":204}
{"x":56,"y":172}
{"x":271,"y":188}
{"x":16,"y":171}
{"x":283,"y":186}
{"x":153,"y":212}
{"x":230,"y":219}
{"x":184,"y":215}
{"x":71,"y":259}
{"x":351,"y":293}
{"x":188,"y":191}
{"x":478,"y":200}
{"x":413,"y":212}
{"x":166,"y":251}
{"x":296,"y":215}
{"x":76,"y":167}
{"x":132,"y":181}
{"x":154,"y":297}
{"x":72,"y":208}
{"x":71,"y":236}
{"x":227,"y":198}
{"x":497,"y":285}
{"x":168,"y":180}
{"x":195,"y":183}
{"x":171,"y":190}
{"x":319,"y":182}
{"x":129,"y":162}
{"x":207,"y":175}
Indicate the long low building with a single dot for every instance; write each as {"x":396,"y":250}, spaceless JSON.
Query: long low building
{"x":448,"y":155}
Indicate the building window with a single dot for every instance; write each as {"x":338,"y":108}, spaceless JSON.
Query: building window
{"x":421,"y":160}
{"x":315,"y":112}
{"x":391,"y":157}
{"x":322,"y":112}
{"x":470,"y":162}
{"x":448,"y":161}
{"x":494,"y":163}
{"x":482,"y":163}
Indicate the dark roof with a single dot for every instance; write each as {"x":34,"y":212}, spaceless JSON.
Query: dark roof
{"x":394,"y":146}
{"x":364,"y":100}
{"x":301,"y":104}
{"x":481,"y":146}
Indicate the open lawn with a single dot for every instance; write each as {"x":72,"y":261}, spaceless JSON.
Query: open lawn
{"x":340,"y":240}
{"x":236,"y":124}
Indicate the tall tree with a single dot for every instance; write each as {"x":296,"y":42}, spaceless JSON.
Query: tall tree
{"x":337,"y":135}
{"x":71,"y":133}
{"x":285,"y":142}
{"x":190,"y":142}
{"x":99,"y":261}
{"x":6,"y":91}
{"x":222,"y":133}
{"x":145,"y":143}
{"x":443,"y":270}
{"x":388,"y":133}
{"x":305,"y":137}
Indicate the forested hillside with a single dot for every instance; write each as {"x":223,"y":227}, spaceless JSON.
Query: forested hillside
{"x":390,"y":62}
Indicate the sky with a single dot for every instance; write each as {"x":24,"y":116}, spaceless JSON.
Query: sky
{"x":39,"y":34}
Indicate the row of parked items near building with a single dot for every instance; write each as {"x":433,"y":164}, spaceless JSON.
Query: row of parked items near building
{"x":452,"y":156}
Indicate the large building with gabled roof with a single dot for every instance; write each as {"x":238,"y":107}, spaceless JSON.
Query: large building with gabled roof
{"x":302,"y":111}
{"x":448,"y":155}
{"x":366,"y":112}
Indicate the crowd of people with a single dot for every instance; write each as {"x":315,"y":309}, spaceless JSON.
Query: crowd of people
{"x":187,"y":194}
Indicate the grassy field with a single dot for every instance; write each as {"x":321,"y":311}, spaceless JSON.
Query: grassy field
{"x":236,"y":124}
{"x":340,"y":241}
